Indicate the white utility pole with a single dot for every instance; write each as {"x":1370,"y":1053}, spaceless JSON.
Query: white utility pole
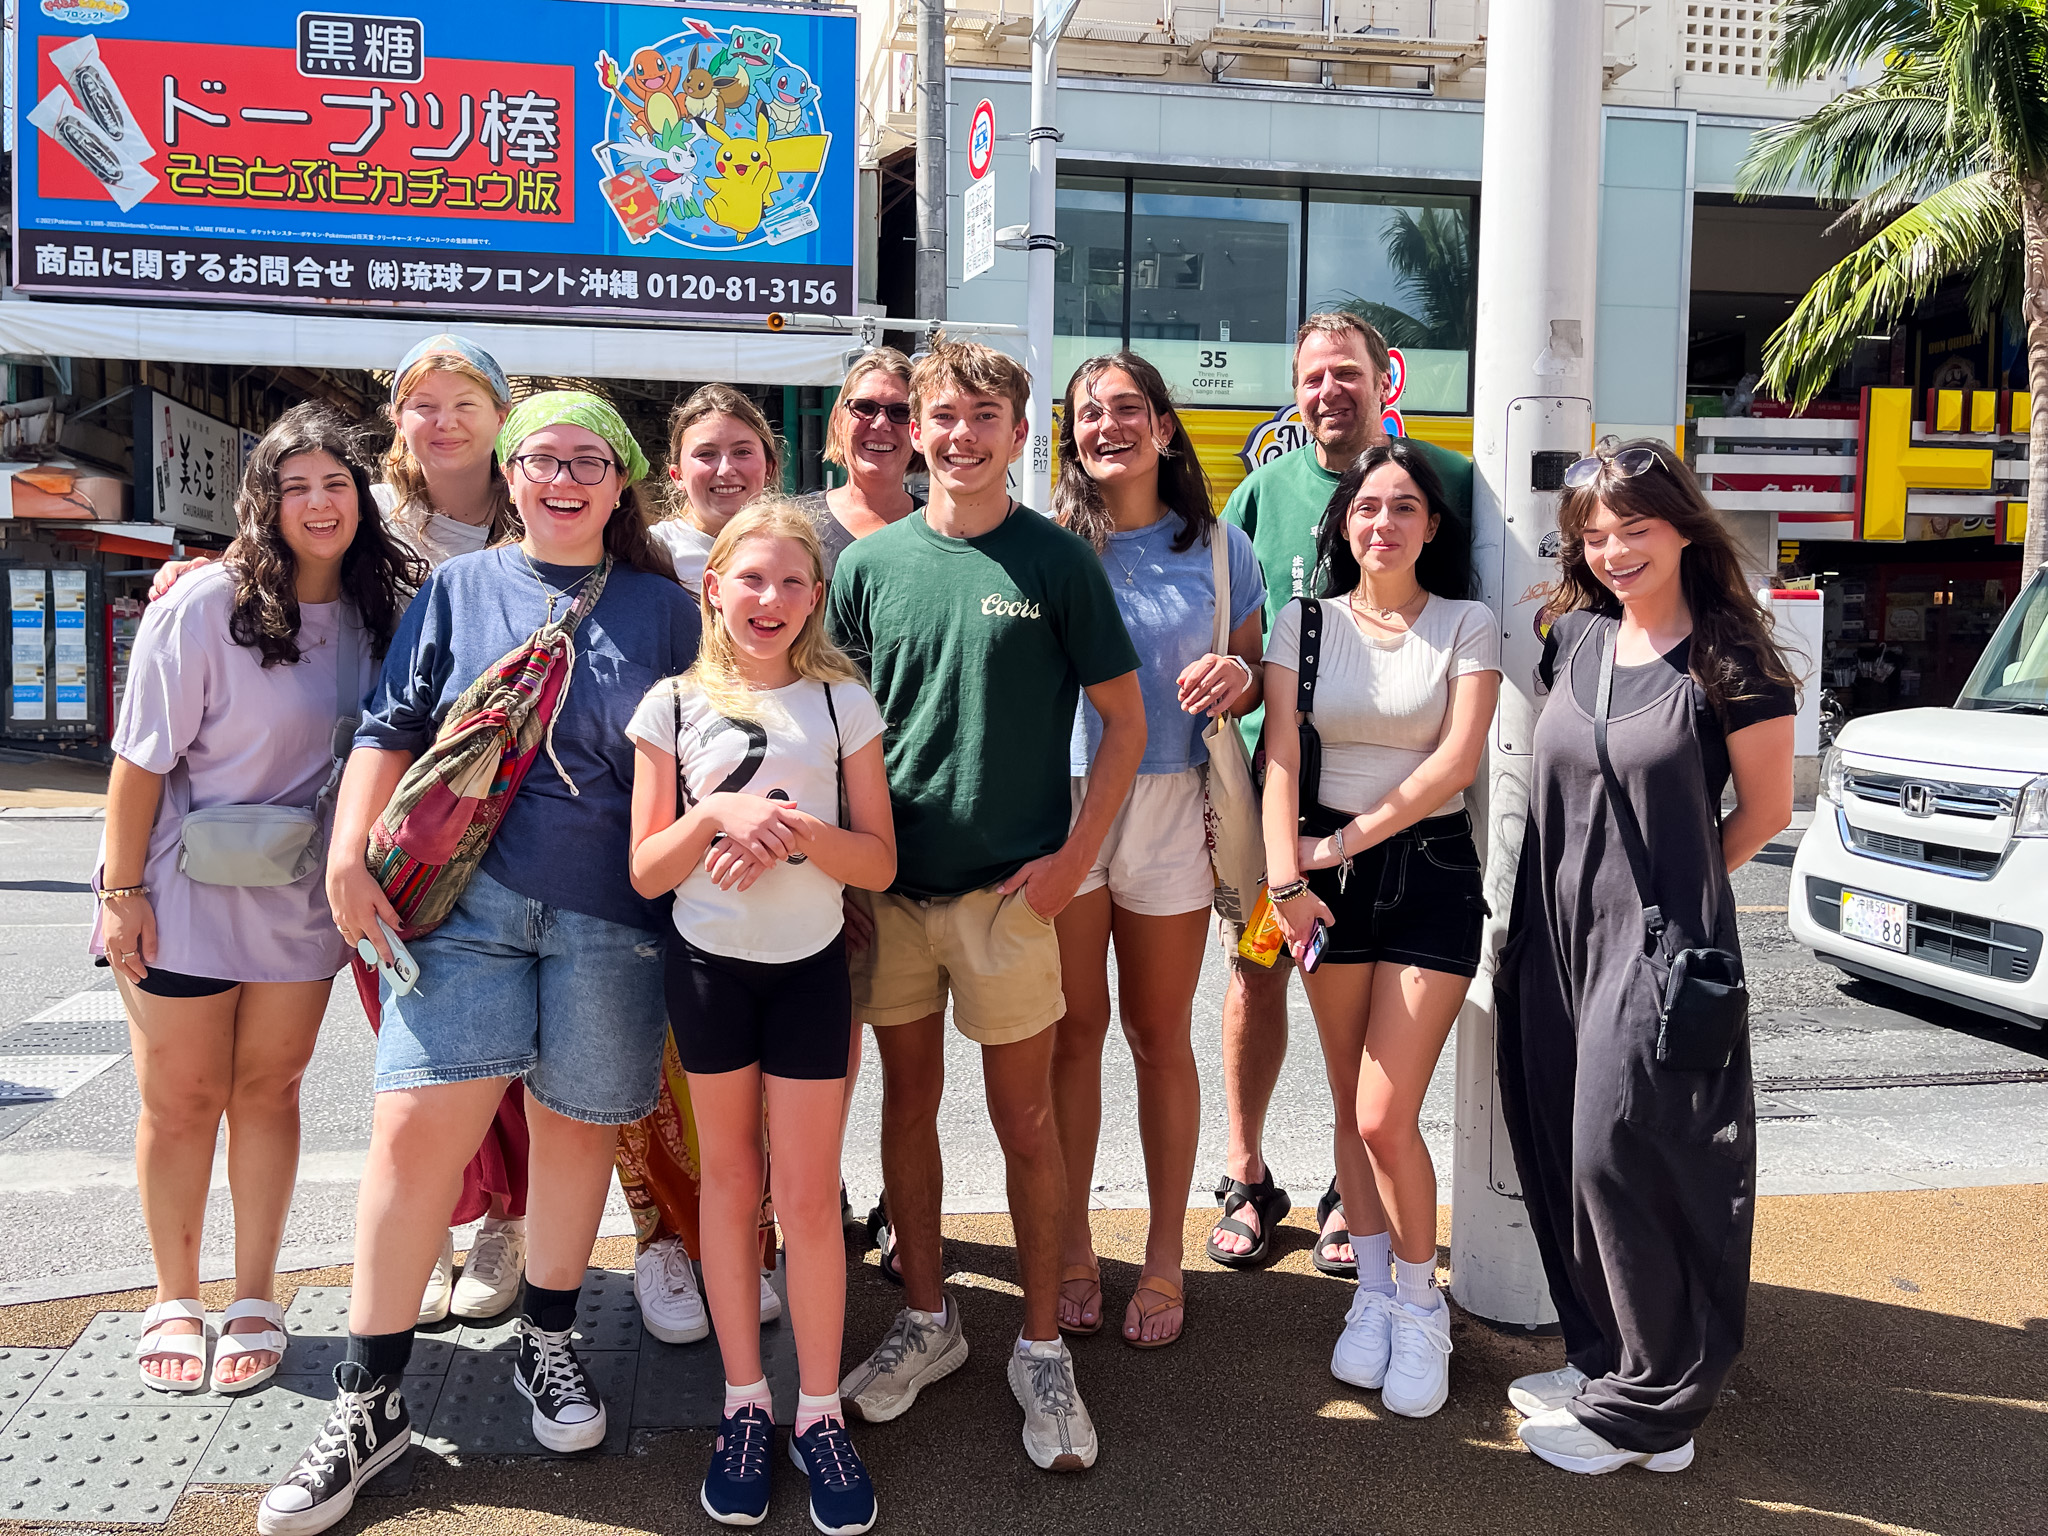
{"x":1532,"y":402}
{"x":1049,"y":20}
{"x":931,"y":159}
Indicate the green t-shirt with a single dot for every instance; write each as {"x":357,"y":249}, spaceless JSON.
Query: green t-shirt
{"x":1281,"y":503}
{"x":977,"y":651}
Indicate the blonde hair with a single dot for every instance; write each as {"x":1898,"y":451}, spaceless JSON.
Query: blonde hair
{"x":720,"y":400}
{"x":839,"y":425}
{"x":716,"y":672}
{"x":411,"y":505}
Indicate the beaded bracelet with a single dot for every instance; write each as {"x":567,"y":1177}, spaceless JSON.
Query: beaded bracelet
{"x":1287,"y":892}
{"x":126,"y":890}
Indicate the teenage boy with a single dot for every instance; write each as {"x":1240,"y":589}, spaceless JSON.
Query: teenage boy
{"x":1341,"y":376}
{"x":979,"y":623}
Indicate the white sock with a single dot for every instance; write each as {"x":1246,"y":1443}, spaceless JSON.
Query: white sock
{"x":810,"y":1409}
{"x":939,"y":1316}
{"x":1415,"y":1284}
{"x":753,"y":1396}
{"x":1375,"y":1252}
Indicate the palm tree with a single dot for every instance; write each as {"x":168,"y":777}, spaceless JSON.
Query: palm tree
{"x":1942,"y":159}
{"x":1431,"y":254}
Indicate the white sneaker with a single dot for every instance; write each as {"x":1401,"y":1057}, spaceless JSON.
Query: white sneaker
{"x":771,"y":1304}
{"x":1418,"y":1377}
{"x":916,"y":1351}
{"x":1563,"y":1441}
{"x":440,"y":1284}
{"x":665,"y":1285}
{"x":1546,"y":1390}
{"x":1360,"y":1357}
{"x":1058,"y":1434}
{"x":493,"y":1270}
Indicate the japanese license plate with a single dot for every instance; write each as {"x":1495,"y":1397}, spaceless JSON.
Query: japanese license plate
{"x":1874,"y":920}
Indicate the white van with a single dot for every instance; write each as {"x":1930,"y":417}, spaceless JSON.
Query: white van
{"x":1927,"y":862}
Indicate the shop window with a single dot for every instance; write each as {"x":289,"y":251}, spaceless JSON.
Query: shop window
{"x":1088,"y":276}
{"x":1407,"y":263}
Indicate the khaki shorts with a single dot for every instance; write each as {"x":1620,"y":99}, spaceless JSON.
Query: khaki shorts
{"x":998,"y":957}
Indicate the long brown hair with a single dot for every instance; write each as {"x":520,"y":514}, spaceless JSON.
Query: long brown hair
{"x":721,"y":400}
{"x":1077,"y":503}
{"x":411,"y":504}
{"x":1732,"y":645}
{"x":375,"y":570}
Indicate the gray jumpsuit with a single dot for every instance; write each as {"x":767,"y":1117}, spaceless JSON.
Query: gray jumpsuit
{"x":1640,"y":1180}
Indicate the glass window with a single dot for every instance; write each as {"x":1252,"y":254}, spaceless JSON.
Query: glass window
{"x":1405,"y":262}
{"x":1088,"y":276}
{"x":1215,"y":289}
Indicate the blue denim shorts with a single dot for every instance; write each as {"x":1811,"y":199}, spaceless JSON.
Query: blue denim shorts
{"x":511,"y":987}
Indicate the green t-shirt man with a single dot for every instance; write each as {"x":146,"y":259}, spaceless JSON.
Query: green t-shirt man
{"x":977,"y":651}
{"x":1281,"y":503}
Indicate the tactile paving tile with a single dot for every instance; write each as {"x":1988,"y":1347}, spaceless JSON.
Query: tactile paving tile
{"x":317,"y":1321}
{"x":14,"y":1116}
{"x":263,"y":1432}
{"x":112,"y":1462}
{"x":607,"y":1318}
{"x":682,"y":1386}
{"x":482,"y":1414}
{"x":100,"y":1368}
{"x":101,"y":1003}
{"x":21,"y":1372}
{"x":67,"y":1037}
{"x":42,"y":1078}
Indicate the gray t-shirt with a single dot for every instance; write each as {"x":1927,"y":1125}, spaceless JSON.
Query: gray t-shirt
{"x":832,"y":534}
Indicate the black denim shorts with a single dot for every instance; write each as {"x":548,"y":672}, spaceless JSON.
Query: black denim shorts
{"x":1414,"y":899}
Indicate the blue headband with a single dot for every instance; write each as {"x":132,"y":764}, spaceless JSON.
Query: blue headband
{"x":445,"y":345}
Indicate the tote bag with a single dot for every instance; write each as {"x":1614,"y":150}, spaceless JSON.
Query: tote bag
{"x":1230,"y":811}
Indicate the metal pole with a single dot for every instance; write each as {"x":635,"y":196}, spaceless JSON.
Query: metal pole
{"x":931,"y":159}
{"x":1532,"y":394}
{"x":1049,"y":18}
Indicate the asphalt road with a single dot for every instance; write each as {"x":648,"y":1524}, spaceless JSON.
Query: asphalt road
{"x":67,"y":1187}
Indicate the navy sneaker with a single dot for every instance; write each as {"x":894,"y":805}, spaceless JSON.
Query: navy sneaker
{"x":736,"y":1488}
{"x":842,"y":1498}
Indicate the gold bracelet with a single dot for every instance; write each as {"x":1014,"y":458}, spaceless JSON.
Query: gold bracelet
{"x":106,"y":896}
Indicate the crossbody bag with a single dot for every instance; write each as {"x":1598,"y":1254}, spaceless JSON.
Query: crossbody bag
{"x":1315,"y":818}
{"x":1704,"y":1007}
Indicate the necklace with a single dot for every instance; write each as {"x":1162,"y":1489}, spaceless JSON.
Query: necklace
{"x":1144,"y":548}
{"x":1385,"y":616}
{"x":554,"y":597}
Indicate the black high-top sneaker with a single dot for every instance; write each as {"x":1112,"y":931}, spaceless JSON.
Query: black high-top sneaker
{"x":367,"y":1429}
{"x":568,"y":1415}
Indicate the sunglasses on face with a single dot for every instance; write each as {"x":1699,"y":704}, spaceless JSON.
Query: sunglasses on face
{"x":1625,"y":465}
{"x":544,"y":468}
{"x":898,"y":411}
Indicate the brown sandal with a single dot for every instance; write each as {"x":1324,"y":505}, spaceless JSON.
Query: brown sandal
{"x":1173,"y":1297}
{"x":1075,"y":1274}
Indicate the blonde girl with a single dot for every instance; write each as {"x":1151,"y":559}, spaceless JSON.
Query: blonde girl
{"x":753,"y":750}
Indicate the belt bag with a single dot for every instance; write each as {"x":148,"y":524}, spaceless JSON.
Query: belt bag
{"x":275,"y":844}
{"x":1705,"y":1005}
{"x":1316,"y":819}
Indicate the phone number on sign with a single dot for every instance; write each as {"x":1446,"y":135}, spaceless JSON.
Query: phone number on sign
{"x":807,"y":291}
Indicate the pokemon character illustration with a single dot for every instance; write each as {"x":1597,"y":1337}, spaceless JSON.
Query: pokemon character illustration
{"x":700,"y":91}
{"x":749,"y":171}
{"x":648,"y":93}
{"x":785,"y":98}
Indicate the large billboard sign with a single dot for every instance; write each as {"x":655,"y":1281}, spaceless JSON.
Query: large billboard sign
{"x":557,"y":156}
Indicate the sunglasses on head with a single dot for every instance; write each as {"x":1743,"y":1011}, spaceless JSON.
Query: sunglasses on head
{"x":1624,"y":465}
{"x":897,"y":411}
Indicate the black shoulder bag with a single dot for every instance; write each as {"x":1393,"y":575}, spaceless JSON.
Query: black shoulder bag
{"x":1705,"y":1007}
{"x":1316,"y":819}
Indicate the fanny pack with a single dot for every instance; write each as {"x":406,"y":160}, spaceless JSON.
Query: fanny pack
{"x":1705,"y":1004}
{"x":276,"y":844}
{"x":1316,"y":819}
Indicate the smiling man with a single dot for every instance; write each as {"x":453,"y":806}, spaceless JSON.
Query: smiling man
{"x":1341,"y":376}
{"x":980,"y":623}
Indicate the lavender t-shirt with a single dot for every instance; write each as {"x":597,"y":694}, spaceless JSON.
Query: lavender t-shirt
{"x":224,"y":729}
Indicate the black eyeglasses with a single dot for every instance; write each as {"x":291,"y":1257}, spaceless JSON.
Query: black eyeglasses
{"x":1626,"y":465}
{"x":545,"y":468}
{"x":898,"y":411}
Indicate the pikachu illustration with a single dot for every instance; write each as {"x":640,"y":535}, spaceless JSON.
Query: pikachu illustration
{"x":748,"y":171}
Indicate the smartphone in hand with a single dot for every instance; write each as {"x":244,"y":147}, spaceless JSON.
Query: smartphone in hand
{"x":1311,"y":954}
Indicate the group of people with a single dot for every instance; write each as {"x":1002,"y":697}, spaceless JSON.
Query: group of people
{"x":632,"y":814}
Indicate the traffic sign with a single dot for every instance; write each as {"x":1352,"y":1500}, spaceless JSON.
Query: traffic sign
{"x":981,"y":139}
{"x":979,"y":251}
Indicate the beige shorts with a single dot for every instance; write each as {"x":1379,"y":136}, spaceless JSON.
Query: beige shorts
{"x":1155,"y":857}
{"x":999,"y":959}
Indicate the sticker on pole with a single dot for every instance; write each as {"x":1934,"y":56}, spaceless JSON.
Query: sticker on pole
{"x":981,"y":139}
{"x":978,"y":254}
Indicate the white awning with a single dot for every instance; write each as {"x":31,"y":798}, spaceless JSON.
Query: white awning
{"x":31,"y":328}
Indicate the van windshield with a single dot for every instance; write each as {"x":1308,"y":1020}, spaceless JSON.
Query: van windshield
{"x":2012,"y":674}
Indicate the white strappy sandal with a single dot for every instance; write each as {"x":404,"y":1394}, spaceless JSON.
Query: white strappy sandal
{"x":192,"y":1346}
{"x":228,"y":1345}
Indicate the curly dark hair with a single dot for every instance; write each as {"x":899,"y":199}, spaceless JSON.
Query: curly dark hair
{"x":1443,"y":568}
{"x":376,"y":572}
{"x":1077,"y":503}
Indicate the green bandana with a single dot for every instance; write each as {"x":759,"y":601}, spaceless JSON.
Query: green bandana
{"x":580,"y":409}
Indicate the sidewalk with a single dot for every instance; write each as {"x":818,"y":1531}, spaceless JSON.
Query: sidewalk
{"x":1896,"y":1379}
{"x":36,"y":782}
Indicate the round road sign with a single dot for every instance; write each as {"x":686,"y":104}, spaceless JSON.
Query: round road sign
{"x":981,"y":140}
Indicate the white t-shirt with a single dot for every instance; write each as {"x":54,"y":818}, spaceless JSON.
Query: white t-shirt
{"x":790,"y":753}
{"x":1381,"y":704}
{"x":438,"y":539}
{"x":688,"y":545}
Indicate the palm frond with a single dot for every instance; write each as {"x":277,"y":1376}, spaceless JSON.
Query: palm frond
{"x":1400,"y":328}
{"x":1825,"y":35}
{"x":1892,"y":133}
{"x":1955,"y":230}
{"x":1994,"y":56}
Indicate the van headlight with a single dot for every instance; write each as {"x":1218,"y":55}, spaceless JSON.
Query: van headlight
{"x":1831,"y":775}
{"x":2030,"y":816}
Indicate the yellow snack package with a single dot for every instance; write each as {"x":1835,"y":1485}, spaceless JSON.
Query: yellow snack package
{"x":1262,"y":941}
